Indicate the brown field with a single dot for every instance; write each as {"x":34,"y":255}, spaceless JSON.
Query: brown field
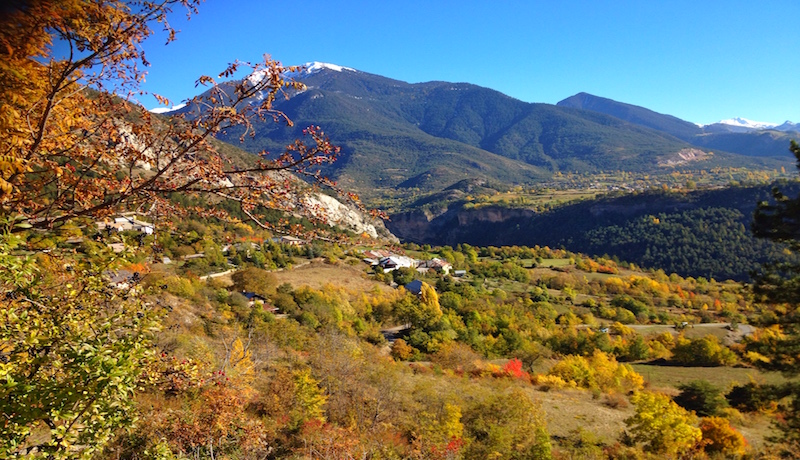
{"x":568,"y":410}
{"x":318,"y":273}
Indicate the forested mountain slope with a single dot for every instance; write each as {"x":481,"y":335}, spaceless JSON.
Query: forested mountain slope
{"x":430,"y":135}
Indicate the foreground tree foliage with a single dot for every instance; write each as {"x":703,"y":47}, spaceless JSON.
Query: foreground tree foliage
{"x":73,"y":351}
{"x":778,"y":346}
{"x":70,"y":146}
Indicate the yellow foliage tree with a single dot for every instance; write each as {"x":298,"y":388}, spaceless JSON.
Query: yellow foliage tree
{"x":309,"y":399}
{"x":664,"y":427}
{"x":239,"y":365}
{"x":439,"y":429}
{"x":600,"y":371}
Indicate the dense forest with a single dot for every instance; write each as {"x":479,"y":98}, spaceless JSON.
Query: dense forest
{"x":695,"y":233}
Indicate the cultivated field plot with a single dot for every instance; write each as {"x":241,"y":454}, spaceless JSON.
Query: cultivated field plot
{"x":318,"y":273}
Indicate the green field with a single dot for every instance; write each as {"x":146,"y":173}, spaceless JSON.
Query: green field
{"x":668,"y":378}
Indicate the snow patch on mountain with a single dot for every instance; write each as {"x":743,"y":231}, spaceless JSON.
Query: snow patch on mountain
{"x":168,"y":109}
{"x":314,"y":67}
{"x":745,"y":123}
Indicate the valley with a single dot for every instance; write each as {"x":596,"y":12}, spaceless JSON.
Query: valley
{"x":317,"y":262}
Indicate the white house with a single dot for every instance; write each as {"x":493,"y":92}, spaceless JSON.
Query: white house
{"x":394,"y":262}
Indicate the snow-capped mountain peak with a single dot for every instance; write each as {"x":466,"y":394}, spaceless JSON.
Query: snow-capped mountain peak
{"x":309,"y":68}
{"x":314,"y":67}
{"x":745,"y":123}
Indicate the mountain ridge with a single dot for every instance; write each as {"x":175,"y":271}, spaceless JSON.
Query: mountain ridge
{"x":429,"y":135}
{"x":740,"y":136}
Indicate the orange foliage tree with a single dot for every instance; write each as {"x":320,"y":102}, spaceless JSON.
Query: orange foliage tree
{"x":720,"y":437}
{"x":70,"y":146}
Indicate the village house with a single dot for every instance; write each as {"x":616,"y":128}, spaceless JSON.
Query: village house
{"x":253,"y":298}
{"x":373,"y":256}
{"x":123,"y":223}
{"x":394,"y":262}
{"x":414,"y":287}
{"x":436,"y":264}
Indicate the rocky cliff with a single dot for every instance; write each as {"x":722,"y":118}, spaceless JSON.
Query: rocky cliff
{"x":455,"y":225}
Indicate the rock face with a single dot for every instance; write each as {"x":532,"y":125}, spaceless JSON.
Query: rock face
{"x":453,"y":226}
{"x":338,"y":213}
{"x":684,"y":156}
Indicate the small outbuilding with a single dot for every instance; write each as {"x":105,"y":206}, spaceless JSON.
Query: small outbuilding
{"x":414,"y":287}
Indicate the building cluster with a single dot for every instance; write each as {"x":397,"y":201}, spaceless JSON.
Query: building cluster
{"x":126,"y":222}
{"x":389,"y":261}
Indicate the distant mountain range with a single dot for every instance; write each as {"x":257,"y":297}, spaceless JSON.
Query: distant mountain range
{"x":743,"y":125}
{"x":431,"y":135}
{"x":736,"y":135}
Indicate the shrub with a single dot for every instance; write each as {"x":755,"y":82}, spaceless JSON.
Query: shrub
{"x":703,"y":351}
{"x":752,"y":397}
{"x":457,"y":356}
{"x":180,"y":287}
{"x":663,"y":426}
{"x":600,"y":372}
{"x":720,"y":437}
{"x":547,"y":382}
{"x":401,"y":350}
{"x":615,"y":401}
{"x":701,"y":397}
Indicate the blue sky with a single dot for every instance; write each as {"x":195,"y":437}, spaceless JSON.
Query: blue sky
{"x":701,"y":61}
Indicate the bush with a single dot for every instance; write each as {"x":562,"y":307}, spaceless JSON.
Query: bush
{"x":702,"y":397}
{"x":403,"y":275}
{"x":180,"y":287}
{"x":703,"y":351}
{"x":752,"y":397}
{"x":401,"y":351}
{"x":457,"y":356}
{"x":600,"y":372}
{"x":663,"y":426}
{"x":615,"y":401}
{"x":309,"y":319}
{"x":720,"y":437}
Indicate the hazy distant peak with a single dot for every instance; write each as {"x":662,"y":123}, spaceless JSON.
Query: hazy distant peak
{"x":745,"y":123}
{"x":788,"y":126}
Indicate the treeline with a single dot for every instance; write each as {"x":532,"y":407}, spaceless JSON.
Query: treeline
{"x":710,"y":242}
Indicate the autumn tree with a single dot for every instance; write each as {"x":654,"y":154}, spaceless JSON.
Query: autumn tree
{"x":720,"y":437}
{"x":703,"y":351}
{"x":507,"y":425}
{"x":777,"y":347}
{"x":421,"y":312}
{"x":73,"y":348}
{"x":71,"y":147}
{"x":661,"y":425}
{"x":252,"y":279}
{"x":702,"y":397}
